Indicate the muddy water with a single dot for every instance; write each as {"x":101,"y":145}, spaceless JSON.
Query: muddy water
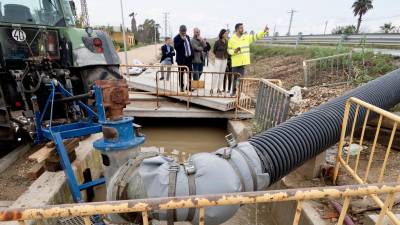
{"x":185,"y":135}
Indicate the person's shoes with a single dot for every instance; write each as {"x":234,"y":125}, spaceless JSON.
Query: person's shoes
{"x":219,"y":92}
{"x":211,"y":92}
{"x":162,"y":78}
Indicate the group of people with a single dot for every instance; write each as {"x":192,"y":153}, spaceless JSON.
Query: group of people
{"x":231,"y":55}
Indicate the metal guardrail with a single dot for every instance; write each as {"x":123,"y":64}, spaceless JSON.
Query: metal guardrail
{"x":389,"y":40}
{"x":352,"y":109}
{"x":143,"y":206}
{"x":325,"y":69}
{"x":265,"y":99}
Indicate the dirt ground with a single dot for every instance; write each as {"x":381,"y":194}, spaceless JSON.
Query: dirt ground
{"x":147,"y":55}
{"x":289,"y":69}
{"x":13,"y":181}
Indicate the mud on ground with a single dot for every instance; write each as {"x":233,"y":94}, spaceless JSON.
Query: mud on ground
{"x":13,"y":181}
{"x":289,"y":69}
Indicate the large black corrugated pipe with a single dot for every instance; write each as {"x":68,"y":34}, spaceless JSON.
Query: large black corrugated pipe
{"x":289,"y":145}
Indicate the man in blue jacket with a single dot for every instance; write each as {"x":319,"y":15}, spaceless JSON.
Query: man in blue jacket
{"x":167,"y":57}
{"x":184,"y":55}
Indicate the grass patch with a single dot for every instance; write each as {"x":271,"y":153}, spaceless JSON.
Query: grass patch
{"x":368,"y":66}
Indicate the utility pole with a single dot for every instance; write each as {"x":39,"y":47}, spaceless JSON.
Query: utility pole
{"x":291,"y":20}
{"x":166,"y":22}
{"x":124,"y":37}
{"x":326,"y":25}
{"x":273,"y":34}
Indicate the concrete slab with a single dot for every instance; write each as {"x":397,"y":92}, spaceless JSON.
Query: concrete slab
{"x":311,"y":169}
{"x":147,"y":82}
{"x":174,"y":109}
{"x":240,"y":130}
{"x":11,"y":157}
{"x":144,"y":96}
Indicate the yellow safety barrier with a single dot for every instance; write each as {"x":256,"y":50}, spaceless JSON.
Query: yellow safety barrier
{"x":352,"y":110}
{"x":144,"y":206}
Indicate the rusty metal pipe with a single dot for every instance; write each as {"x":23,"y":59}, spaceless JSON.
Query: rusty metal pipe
{"x":199,"y":201}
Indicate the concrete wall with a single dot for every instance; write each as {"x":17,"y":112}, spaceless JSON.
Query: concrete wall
{"x":239,"y":129}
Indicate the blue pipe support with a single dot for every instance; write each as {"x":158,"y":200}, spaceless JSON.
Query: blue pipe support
{"x":118,"y":135}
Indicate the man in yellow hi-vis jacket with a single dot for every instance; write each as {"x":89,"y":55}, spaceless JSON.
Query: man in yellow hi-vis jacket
{"x":239,"y":50}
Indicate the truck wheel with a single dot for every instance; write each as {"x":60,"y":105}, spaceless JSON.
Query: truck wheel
{"x":90,"y":75}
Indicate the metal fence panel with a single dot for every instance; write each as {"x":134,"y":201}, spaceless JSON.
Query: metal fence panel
{"x":330,"y":70}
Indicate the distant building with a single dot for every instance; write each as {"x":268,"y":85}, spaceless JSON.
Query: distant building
{"x":117,"y":36}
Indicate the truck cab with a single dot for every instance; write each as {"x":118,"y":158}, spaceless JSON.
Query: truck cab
{"x":39,"y":40}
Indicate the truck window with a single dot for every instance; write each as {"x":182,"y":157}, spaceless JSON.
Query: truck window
{"x":35,"y":12}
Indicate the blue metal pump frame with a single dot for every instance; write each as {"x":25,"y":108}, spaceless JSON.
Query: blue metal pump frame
{"x":57,"y":134}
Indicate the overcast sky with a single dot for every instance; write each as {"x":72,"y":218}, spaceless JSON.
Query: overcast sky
{"x":212,"y":15}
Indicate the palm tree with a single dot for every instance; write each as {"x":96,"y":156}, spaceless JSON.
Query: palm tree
{"x":360,"y":8}
{"x":387,"y":28}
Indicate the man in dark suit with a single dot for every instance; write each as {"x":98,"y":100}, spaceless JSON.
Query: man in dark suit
{"x":184,"y":55}
{"x":167,"y":58}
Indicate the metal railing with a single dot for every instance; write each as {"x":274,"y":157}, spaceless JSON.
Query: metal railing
{"x":143,"y":207}
{"x":209,"y":85}
{"x":149,"y":66}
{"x":362,"y":173}
{"x":265,"y":99}
{"x":330,"y":70}
{"x":389,"y":40}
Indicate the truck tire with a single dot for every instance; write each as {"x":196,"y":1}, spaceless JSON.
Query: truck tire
{"x":90,"y":75}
